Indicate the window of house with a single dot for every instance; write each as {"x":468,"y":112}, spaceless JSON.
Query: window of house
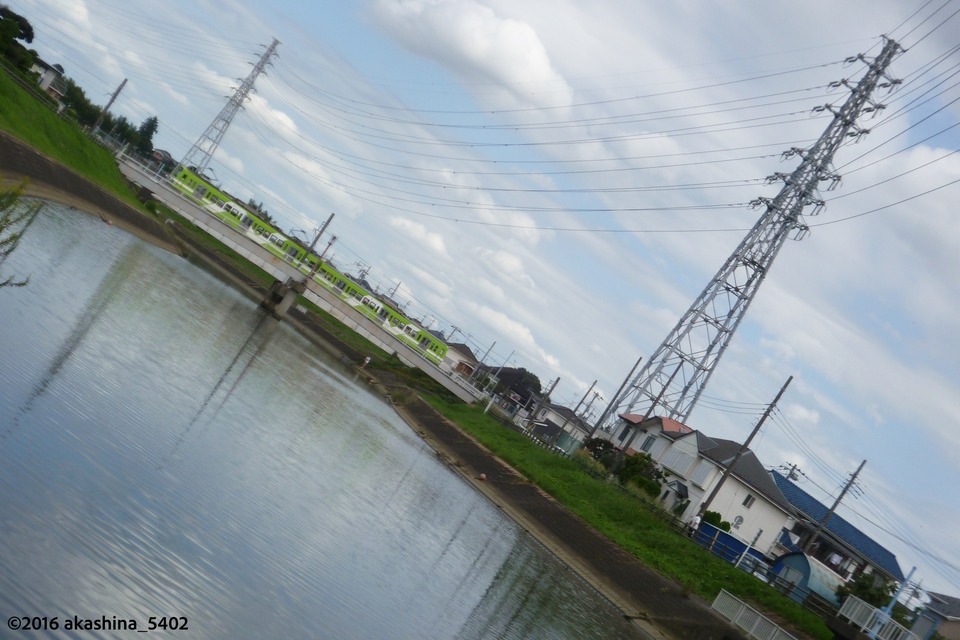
{"x":679,"y":462}
{"x":700,"y":474}
{"x":648,"y":443}
{"x":748,"y":501}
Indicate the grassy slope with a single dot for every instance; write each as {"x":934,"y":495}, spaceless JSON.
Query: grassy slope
{"x":24,"y":117}
{"x":620,"y":516}
{"x":628,"y":521}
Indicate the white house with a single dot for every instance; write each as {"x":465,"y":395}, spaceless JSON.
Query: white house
{"x":748,"y":499}
{"x":559,"y":426}
{"x":50,"y":79}
{"x":459,"y":359}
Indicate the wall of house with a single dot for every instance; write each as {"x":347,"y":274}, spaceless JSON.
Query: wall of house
{"x":950,"y":630}
{"x":746,"y":520}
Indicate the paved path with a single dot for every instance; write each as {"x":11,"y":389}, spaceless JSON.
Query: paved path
{"x":657,"y":604}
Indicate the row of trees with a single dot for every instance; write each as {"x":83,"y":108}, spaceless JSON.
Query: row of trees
{"x":87,"y":114}
{"x":15,"y":33}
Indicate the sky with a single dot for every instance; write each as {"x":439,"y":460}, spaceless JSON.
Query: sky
{"x":557,"y":181}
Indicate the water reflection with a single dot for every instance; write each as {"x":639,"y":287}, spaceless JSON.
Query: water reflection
{"x":178,"y":452}
{"x":259,"y":338}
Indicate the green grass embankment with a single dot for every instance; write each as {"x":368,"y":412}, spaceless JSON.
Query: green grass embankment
{"x":635,"y":525}
{"x":24,"y":117}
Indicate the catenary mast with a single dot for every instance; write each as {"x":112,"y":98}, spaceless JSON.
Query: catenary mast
{"x":671,"y":381}
{"x":202,"y":150}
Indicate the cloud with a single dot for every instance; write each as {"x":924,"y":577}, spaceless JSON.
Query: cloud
{"x":422,"y":237}
{"x":474,"y":42}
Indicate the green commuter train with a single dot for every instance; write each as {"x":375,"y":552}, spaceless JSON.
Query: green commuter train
{"x":221,"y":205}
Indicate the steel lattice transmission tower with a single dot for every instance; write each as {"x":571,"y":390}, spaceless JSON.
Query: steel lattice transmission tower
{"x":671,"y":381}
{"x":202,"y":150}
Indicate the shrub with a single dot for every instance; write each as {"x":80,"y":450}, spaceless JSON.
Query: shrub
{"x":714,"y":518}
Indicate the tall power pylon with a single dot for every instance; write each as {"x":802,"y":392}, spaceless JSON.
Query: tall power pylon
{"x":671,"y":381}
{"x":202,"y":150}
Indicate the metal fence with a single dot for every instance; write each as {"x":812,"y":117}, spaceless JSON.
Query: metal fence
{"x":745,"y":617}
{"x":873,"y":621}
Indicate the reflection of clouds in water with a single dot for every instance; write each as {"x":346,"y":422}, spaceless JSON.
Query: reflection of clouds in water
{"x":304,"y":507}
{"x":90,"y":314}
{"x":261,"y":339}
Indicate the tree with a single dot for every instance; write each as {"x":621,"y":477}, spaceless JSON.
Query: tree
{"x":641,"y":469}
{"x":24,"y":28}
{"x":598,"y":448}
{"x":714,"y":518}
{"x":520,"y":381}
{"x":874,"y":591}
{"x":15,"y":218}
{"x":868,"y":588}
{"x":263,"y":214}
{"x":13,"y":29}
{"x":145,"y":135}
{"x":80,"y":107}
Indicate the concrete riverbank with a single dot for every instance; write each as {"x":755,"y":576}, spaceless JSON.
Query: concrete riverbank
{"x":658,"y":605}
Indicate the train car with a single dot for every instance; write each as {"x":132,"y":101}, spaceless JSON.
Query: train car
{"x":222,"y":206}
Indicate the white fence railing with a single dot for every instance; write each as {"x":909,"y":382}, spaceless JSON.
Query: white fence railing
{"x":747,"y":618}
{"x":872,"y":621}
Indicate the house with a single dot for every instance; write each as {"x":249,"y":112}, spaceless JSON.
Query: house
{"x":50,"y":78}
{"x":944,"y":615}
{"x":695,"y":464}
{"x":808,"y":576}
{"x":559,"y":426}
{"x":840,"y":546}
{"x":459,"y":359}
{"x":163,"y":161}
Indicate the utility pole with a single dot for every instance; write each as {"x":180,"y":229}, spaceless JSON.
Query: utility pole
{"x":313,"y":271}
{"x":585,"y":396}
{"x":743,"y":448}
{"x":613,"y":401}
{"x":453,"y":330}
{"x":696,"y":343}
{"x":476,"y":372}
{"x":586,"y":409}
{"x":563,"y":427}
{"x":327,"y":248}
{"x":490,"y":404}
{"x":618,"y":461}
{"x":543,"y":400}
{"x":96,"y":125}
{"x":792,"y":474}
{"x":826,"y":518}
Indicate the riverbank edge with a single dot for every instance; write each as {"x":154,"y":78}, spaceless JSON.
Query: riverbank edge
{"x":659,"y":606}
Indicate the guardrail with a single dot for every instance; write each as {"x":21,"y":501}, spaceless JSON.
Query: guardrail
{"x":872,"y":621}
{"x":745,"y":617}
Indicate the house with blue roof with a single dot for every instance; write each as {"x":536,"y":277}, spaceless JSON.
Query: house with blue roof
{"x":840,"y":546}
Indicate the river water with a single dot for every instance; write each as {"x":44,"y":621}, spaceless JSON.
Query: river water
{"x":170,"y":450}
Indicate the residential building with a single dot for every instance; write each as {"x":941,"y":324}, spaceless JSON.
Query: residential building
{"x":840,"y":546}
{"x":694,"y":464}
{"x":944,"y":611}
{"x":50,"y":79}
{"x":459,"y":359}
{"x":559,"y":426}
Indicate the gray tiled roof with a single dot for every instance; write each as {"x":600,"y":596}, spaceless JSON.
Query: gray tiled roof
{"x":947,"y":606}
{"x":749,"y":469}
